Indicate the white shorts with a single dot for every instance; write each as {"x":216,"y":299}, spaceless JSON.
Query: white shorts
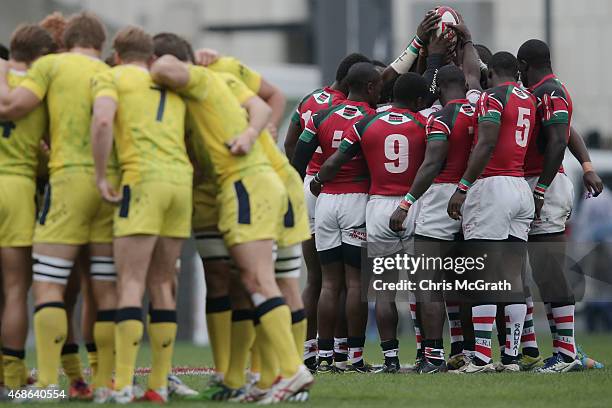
{"x":382,"y":241}
{"x":311,"y":202}
{"x":498,"y":207}
{"x":557,"y":207}
{"x":340,"y":219}
{"x":433,"y":220}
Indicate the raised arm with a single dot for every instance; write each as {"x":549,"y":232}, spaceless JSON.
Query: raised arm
{"x":471,"y":61}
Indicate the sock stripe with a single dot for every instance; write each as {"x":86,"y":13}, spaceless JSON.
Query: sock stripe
{"x":91,"y":347}
{"x":564,"y":319}
{"x":297,"y":316}
{"x":59,"y":305}
{"x":128,"y":313}
{"x":268,"y":306}
{"x":20,"y":354}
{"x":106,"y":315}
{"x":241,"y":315}
{"x":218,"y":304}
{"x":70,"y":349}
{"x":162,"y":316}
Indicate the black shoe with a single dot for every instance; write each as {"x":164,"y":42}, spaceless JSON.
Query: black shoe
{"x":325,"y":367}
{"x":312,"y":364}
{"x":391,"y":366}
{"x":362,"y":368}
{"x":427,"y":367}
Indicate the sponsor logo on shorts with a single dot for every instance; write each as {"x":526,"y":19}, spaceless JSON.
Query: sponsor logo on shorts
{"x":360,"y":235}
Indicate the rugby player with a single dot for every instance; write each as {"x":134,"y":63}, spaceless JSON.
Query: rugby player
{"x":248,"y":216}
{"x":154,"y":215}
{"x":383,"y":139}
{"x":70,"y":218}
{"x":498,"y":208}
{"x":312,"y":103}
{"x":553,"y":198}
{"x":19,"y":146}
{"x":340,"y":220}
{"x":449,"y":134}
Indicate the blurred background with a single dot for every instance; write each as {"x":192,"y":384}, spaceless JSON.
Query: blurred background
{"x":297,"y":44}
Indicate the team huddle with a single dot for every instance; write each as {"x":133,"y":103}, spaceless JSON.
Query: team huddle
{"x":107,"y":167}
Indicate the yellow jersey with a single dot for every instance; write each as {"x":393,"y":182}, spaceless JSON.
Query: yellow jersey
{"x":65,"y":81}
{"x":150,"y":126}
{"x":231,"y":65}
{"x":20,"y":140}
{"x":240,"y":90}
{"x":216,"y":118}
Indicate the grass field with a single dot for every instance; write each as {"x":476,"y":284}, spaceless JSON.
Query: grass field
{"x":591,"y":388}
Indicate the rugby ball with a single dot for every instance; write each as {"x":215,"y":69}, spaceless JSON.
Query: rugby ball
{"x":448,"y":16}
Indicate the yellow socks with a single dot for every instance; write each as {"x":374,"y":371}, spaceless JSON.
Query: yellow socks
{"x":13,"y":368}
{"x":92,"y":357}
{"x":128,"y":334}
{"x":298,"y":328}
{"x":104,"y":336}
{"x":71,"y":362}
{"x":50,"y":331}
{"x":243,"y":335}
{"x":219,"y":322}
{"x":162,"y":334}
{"x":275,"y":319}
{"x":269,"y":359}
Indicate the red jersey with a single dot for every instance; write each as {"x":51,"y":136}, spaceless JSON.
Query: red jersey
{"x":330,"y":126}
{"x":455,"y":124}
{"x":393,"y":144}
{"x":554,"y":107}
{"x":311,"y":104}
{"x":514,"y":109}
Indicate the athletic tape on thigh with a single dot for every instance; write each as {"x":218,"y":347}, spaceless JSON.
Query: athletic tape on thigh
{"x":288,"y":262}
{"x":51,"y":269}
{"x":210,"y":246}
{"x":103,"y":268}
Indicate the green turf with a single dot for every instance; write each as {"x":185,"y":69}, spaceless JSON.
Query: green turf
{"x":576,"y":390}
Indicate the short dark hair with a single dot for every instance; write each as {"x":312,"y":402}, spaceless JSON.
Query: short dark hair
{"x":360,"y":75}
{"x":84,"y":30}
{"x":410,"y":86}
{"x":4,"y":52}
{"x":172,"y":44}
{"x":30,"y":41}
{"x":132,"y":43}
{"x":450,"y":75}
{"x":484,"y":53}
{"x":536,"y":53}
{"x":504,"y":63}
{"x":346,"y":64}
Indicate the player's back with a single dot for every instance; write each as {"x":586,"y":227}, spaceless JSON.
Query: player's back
{"x":314,"y":102}
{"x":65,"y":80}
{"x":215,"y":116}
{"x":393,"y":144}
{"x":514,"y":109}
{"x":234,"y":66}
{"x":554,"y":107}
{"x":149,"y":126}
{"x":331,"y":125}
{"x":20,"y":140}
{"x":455,"y":124}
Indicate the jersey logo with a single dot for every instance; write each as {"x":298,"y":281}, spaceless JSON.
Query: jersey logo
{"x":467,"y":109}
{"x":394,"y":119}
{"x":322,"y":98}
{"x":520,"y":93}
{"x":349,"y":112}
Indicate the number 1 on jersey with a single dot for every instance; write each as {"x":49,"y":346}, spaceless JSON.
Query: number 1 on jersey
{"x":7,"y":128}
{"x":162,"y":102}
